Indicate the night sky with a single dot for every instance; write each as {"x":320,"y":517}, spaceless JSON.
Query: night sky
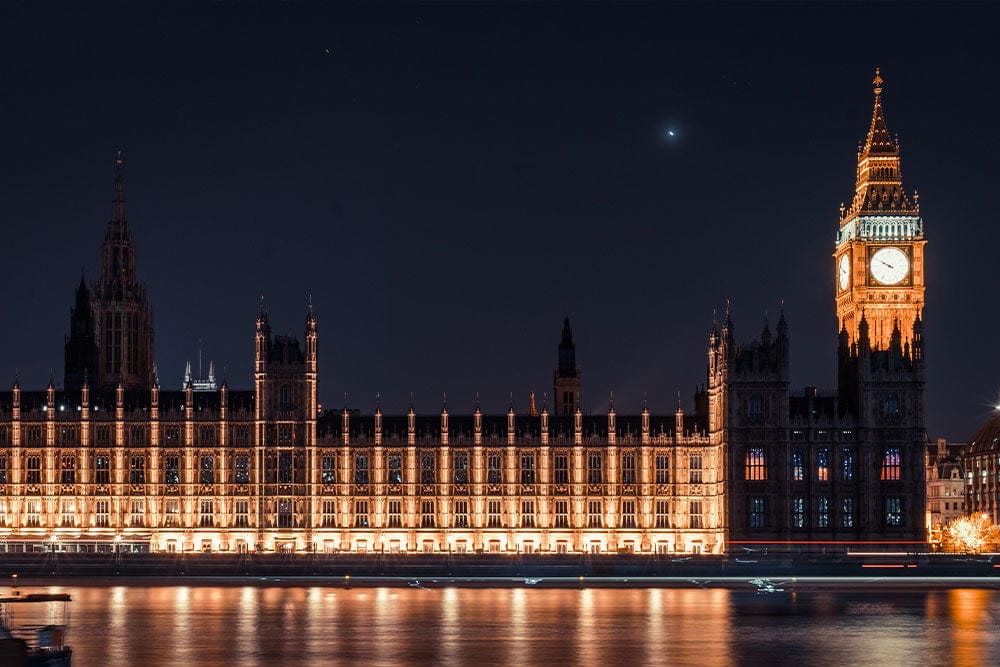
{"x":447,"y":181}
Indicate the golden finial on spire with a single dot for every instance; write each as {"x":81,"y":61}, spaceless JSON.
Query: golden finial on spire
{"x":877,"y":82}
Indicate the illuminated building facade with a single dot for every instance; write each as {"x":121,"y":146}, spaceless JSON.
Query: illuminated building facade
{"x":844,"y":466}
{"x":945,"y":486}
{"x":113,"y":459}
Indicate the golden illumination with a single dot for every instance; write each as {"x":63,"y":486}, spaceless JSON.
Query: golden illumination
{"x":971,"y":534}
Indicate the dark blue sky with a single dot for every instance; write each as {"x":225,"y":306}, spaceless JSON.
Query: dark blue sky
{"x":447,"y":180}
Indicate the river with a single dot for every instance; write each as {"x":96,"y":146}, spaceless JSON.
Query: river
{"x":148,"y":624}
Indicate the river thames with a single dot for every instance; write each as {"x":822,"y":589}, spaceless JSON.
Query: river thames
{"x":263,"y":623}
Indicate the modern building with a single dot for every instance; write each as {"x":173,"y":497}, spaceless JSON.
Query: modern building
{"x":945,"y":486}
{"x":112,"y":459}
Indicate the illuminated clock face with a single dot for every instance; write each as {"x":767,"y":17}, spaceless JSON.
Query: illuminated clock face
{"x":889,"y":266}
{"x":844,"y":272}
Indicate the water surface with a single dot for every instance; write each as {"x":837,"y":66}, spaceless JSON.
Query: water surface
{"x":261,"y":624}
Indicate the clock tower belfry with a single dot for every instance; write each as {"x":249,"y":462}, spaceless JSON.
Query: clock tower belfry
{"x":879,"y":256}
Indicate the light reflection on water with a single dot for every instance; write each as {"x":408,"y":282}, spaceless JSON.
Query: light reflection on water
{"x":154,"y":625}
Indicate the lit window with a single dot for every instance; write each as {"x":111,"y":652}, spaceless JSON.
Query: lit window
{"x":756,"y":468}
{"x":823,"y":465}
{"x":847,"y":464}
{"x":891,"y":464}
{"x":68,"y":472}
{"x":171,"y":470}
{"x":207,"y":473}
{"x":798,"y":465}
{"x":798,"y":512}
{"x":241,"y":471}
{"x":823,"y":517}
{"x":461,"y":467}
{"x":847,"y":512}
{"x":894,"y":511}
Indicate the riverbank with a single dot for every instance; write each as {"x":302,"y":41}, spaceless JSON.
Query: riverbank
{"x":497,"y":570}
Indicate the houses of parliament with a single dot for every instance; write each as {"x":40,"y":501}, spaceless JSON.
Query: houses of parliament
{"x":112,"y":462}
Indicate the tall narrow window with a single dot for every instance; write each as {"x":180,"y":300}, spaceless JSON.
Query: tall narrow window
{"x":628,"y":468}
{"x":628,"y":514}
{"x":847,"y":512}
{"x":207,"y":471}
{"x":891,"y":464}
{"x":329,"y":509}
{"x":138,"y":518}
{"x":207,"y":514}
{"x":756,"y":468}
{"x":494,"y":472}
{"x":758,"y":512}
{"x":34,"y":470}
{"x":527,"y":513}
{"x":894,"y":511}
{"x":798,"y":465}
{"x":103,"y":513}
{"x":395,"y":514}
{"x":171,"y":513}
{"x":285,"y":466}
{"x":360,"y":468}
{"x":823,"y":465}
{"x":428,"y":516}
{"x":662,"y":469}
{"x":329,"y":473}
{"x":562,"y":514}
{"x":461,"y":467}
{"x":172,"y":470}
{"x":427,"y":469}
{"x":527,"y":468}
{"x":694,"y":469}
{"x":3,"y":469}
{"x":361,"y":514}
{"x":823,"y":516}
{"x":595,"y":514}
{"x":286,"y":513}
{"x":798,"y":512}
{"x":662,"y":514}
{"x":137,"y":470}
{"x":461,"y":513}
{"x":561,"y":469}
{"x":102,"y":469}
{"x":241,"y":511}
{"x":68,"y":472}
{"x":847,"y":464}
{"x":594,"y":468}
{"x":395,"y":469}
{"x":67,"y":517}
{"x":493,"y":519}
{"x":695,"y":517}
{"x":241,"y":469}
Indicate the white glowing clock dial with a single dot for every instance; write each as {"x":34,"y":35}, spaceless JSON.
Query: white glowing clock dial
{"x":844,"y":272}
{"x":889,"y":266}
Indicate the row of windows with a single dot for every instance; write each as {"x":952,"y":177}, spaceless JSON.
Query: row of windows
{"x":893,"y":512}
{"x":755,"y":467}
{"x":283,"y":512}
{"x":285,"y":469}
{"x":241,"y":434}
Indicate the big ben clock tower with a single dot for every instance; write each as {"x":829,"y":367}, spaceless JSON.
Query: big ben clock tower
{"x":879,"y":258}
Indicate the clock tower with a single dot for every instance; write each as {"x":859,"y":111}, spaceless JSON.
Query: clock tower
{"x":879,"y":257}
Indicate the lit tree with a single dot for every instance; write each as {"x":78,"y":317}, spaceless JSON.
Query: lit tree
{"x":971,"y":534}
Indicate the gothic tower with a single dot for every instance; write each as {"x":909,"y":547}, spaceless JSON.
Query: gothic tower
{"x":123,"y":317}
{"x":879,"y":257}
{"x":285,"y":379}
{"x":566,"y":384}
{"x":81,"y":347}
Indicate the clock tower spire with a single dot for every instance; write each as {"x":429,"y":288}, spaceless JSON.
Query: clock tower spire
{"x":879,"y":255}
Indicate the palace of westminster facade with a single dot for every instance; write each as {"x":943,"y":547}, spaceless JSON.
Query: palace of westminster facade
{"x":112,"y":459}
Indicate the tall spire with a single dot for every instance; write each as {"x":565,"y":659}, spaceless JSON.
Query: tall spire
{"x":879,"y":184}
{"x":118,"y":200}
